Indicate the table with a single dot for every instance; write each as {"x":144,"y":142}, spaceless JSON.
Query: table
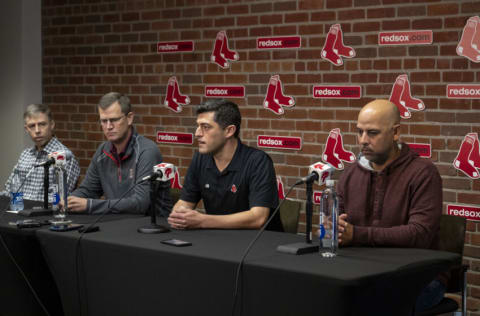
{"x":16,"y":297}
{"x":122,"y":272}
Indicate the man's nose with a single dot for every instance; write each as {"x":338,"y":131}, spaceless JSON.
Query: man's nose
{"x":362,"y":138}
{"x":198,"y":132}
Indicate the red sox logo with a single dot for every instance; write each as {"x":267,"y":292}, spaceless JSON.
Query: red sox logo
{"x":275,"y":100}
{"x":174,"y":98}
{"x":468,"y":157}
{"x":221,"y":53}
{"x":234,"y":188}
{"x":469,"y":45}
{"x":402,"y":98}
{"x":333,"y":49}
{"x":334,"y":152}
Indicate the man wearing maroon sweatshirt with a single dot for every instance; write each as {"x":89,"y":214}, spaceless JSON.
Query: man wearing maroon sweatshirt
{"x":390,"y":197}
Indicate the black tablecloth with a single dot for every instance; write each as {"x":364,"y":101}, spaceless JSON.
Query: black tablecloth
{"x":15,"y":296}
{"x":122,"y":272}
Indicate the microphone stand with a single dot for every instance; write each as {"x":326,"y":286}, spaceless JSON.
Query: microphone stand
{"x":153,"y":228}
{"x":301,"y":248}
{"x":45,"y":185}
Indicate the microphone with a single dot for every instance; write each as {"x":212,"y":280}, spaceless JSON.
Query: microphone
{"x":317,"y":172}
{"x":57,"y":158}
{"x":162,"y":172}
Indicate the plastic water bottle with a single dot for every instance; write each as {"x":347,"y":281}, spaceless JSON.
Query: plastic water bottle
{"x":54,"y":197}
{"x":328,"y":221}
{"x":16,"y":195}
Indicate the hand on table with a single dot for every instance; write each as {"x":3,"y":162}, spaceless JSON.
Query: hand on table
{"x":185,"y":218}
{"x":76,"y":204}
{"x":345,"y":231}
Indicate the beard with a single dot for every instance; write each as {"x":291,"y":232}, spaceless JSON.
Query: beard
{"x":379,"y":158}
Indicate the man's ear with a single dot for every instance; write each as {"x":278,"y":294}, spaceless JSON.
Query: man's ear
{"x":230,"y":131}
{"x":396,"y":132}
{"x":130,"y":117}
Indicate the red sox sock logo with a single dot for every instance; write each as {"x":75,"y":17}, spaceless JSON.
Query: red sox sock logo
{"x":175,"y":182}
{"x":281,"y":192}
{"x":174,"y":98}
{"x":334,"y":152}
{"x":275,"y":100}
{"x":469,"y":45}
{"x":334,"y":49}
{"x":221,"y":53}
{"x":402,"y":98}
{"x":468,"y":157}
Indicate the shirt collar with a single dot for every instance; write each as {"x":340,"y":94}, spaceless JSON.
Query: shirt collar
{"x":52,"y":145}
{"x":128,"y":148}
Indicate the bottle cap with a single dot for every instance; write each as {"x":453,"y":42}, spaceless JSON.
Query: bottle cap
{"x":330,"y":183}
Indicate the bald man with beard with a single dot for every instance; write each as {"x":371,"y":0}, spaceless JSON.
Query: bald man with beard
{"x":390,"y":197}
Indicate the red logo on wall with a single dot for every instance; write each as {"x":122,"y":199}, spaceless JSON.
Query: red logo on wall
{"x":334,"y":49}
{"x":175,"y":182}
{"x":469,"y":212}
{"x":221,"y":53}
{"x":405,"y":37}
{"x":463,"y":91}
{"x":317,"y":197}
{"x":337,"y":92}
{"x":173,"y":47}
{"x":468,"y":157}
{"x":175,"y":138}
{"x":402,"y":98}
{"x":275,"y":100}
{"x":174,"y":98}
{"x":469,"y":45}
{"x":278,"y":42}
{"x":279,"y":142}
{"x":334,"y":152}
{"x":423,"y":150}
{"x":281,"y":191}
{"x":225,"y":91}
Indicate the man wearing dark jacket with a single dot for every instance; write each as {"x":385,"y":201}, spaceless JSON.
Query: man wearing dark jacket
{"x":118,"y":165}
{"x":391,"y":197}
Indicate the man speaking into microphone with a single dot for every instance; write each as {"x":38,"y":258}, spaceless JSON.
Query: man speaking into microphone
{"x":236,"y":183}
{"x":118,"y":165}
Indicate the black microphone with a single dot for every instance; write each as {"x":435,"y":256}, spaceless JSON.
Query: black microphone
{"x":310,"y":178}
{"x":48,"y":162}
{"x":153,"y":176}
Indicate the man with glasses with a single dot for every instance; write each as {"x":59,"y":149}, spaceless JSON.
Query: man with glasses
{"x":40,"y":125}
{"x":391,"y":197}
{"x":118,"y":165}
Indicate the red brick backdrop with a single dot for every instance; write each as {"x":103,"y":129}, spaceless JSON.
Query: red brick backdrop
{"x":92,"y":47}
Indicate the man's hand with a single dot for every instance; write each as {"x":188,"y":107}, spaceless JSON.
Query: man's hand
{"x":76,"y":204}
{"x":345,"y":231}
{"x":185,"y":218}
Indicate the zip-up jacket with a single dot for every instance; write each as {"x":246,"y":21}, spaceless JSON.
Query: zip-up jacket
{"x":111,"y":176}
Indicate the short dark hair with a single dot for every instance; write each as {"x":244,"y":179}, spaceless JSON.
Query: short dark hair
{"x":112,"y":97}
{"x":226,"y":113}
{"x":34,"y":109}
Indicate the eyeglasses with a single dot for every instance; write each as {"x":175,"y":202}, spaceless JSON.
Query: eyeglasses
{"x":112,"y":120}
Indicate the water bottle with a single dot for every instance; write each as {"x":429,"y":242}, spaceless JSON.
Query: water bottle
{"x":54,"y":197}
{"x":328,"y":221}
{"x":16,"y":195}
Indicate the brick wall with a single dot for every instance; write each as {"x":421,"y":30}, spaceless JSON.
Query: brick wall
{"x":91,"y":47}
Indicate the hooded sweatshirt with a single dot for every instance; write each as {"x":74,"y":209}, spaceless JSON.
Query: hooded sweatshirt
{"x":399,"y":206}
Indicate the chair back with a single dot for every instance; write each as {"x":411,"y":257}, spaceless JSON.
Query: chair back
{"x":452,"y":233}
{"x":289,"y":214}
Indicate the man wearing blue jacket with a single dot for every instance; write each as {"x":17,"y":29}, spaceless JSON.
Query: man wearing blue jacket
{"x":118,"y":165}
